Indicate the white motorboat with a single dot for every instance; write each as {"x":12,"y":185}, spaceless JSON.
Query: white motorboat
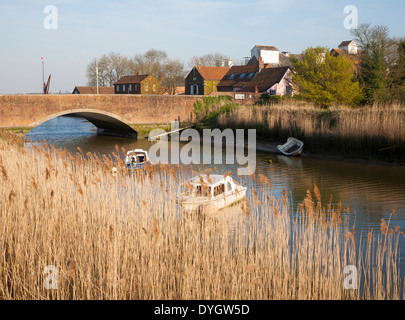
{"x":209,"y":192}
{"x":136,"y":159}
{"x":292,"y":147}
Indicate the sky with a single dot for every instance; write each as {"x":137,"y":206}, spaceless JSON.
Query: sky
{"x":82,"y":30}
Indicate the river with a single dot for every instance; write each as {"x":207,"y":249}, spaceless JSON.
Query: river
{"x":372,"y":191}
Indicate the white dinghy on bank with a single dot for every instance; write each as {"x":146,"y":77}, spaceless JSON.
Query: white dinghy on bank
{"x":293,"y":147}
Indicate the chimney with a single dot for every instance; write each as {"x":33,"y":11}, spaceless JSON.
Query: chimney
{"x":261,"y":63}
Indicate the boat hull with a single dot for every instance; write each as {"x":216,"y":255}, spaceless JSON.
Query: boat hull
{"x":204,"y":205}
{"x":293,"y":147}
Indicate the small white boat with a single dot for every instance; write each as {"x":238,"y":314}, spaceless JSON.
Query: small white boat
{"x":209,"y":192}
{"x":292,"y":147}
{"x":136,"y":159}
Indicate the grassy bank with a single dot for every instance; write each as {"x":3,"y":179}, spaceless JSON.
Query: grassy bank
{"x":372,"y":132}
{"x":19,"y":130}
{"x":111,"y":236}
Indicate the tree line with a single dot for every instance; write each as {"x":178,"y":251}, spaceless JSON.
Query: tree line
{"x":319,"y":77}
{"x":171,"y":72}
{"x":378,"y":76}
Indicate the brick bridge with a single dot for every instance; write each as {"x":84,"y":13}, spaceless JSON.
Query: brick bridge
{"x":111,"y":114}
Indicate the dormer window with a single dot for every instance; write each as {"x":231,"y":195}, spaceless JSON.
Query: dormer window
{"x":232,"y":76}
{"x":242,"y":75}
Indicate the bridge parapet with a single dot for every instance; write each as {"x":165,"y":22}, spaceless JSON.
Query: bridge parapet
{"x":32,"y":110}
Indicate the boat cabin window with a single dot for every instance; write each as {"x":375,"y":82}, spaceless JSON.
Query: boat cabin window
{"x":228,"y":186}
{"x":204,"y":192}
{"x":219,"y":189}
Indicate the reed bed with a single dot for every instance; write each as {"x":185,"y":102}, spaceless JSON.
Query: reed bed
{"x":376,"y":131}
{"x":113,"y":236}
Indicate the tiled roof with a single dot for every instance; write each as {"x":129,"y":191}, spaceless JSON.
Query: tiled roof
{"x":343,"y":53}
{"x":132,"y":79}
{"x":272,"y":48}
{"x":265,"y":79}
{"x":285,"y":60}
{"x":345,"y":43}
{"x":212,"y":73}
{"x":237,"y":70}
{"x":93,"y":90}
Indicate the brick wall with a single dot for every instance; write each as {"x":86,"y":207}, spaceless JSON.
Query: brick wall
{"x":30,"y":110}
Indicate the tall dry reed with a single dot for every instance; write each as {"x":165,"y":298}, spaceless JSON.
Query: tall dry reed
{"x":113,"y":236}
{"x":373,"y":131}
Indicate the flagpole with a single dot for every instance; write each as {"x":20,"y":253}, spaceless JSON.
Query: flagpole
{"x":43,"y":79}
{"x":97,"y":74}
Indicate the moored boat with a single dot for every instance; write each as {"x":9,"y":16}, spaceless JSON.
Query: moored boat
{"x":209,"y":192}
{"x":292,"y":147}
{"x":136,"y":159}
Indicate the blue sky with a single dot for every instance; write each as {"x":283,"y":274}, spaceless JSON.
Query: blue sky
{"x":182,"y":28}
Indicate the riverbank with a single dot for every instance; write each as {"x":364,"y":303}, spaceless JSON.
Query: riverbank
{"x":271,"y":147}
{"x":21,"y":131}
{"x":370,"y":133}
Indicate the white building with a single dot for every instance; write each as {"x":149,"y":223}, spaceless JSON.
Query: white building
{"x":269,"y":54}
{"x":349,"y":46}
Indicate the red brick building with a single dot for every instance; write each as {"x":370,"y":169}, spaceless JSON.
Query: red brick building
{"x":138,"y":84}
{"x":203,"y":80}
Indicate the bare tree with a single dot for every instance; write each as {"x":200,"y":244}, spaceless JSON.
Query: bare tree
{"x":111,"y":68}
{"x":173,"y":75}
{"x":210,"y":59}
{"x":151,"y":62}
{"x":156,"y":62}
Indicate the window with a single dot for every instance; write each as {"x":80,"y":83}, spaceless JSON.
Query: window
{"x":146,"y":87}
{"x":154,"y":87}
{"x":228,"y":187}
{"x":123,"y":87}
{"x":288,"y":90}
{"x":242,"y":75}
{"x":117,"y":88}
{"x":130,"y":87}
{"x":219,"y":190}
{"x":136,"y":86}
{"x":272,"y":92}
{"x":250,"y":75}
{"x":232,"y":76}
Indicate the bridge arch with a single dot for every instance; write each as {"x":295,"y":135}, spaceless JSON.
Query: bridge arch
{"x":107,"y":123}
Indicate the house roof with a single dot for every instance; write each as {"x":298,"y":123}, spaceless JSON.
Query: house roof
{"x":132,"y":79}
{"x":228,"y":81}
{"x":345,"y":43}
{"x":271,"y":48}
{"x":265,"y":79}
{"x":341,"y":52}
{"x":93,"y":90}
{"x":212,"y":73}
{"x":285,"y":59}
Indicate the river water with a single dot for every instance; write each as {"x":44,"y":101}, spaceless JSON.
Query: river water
{"x":371,"y":191}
